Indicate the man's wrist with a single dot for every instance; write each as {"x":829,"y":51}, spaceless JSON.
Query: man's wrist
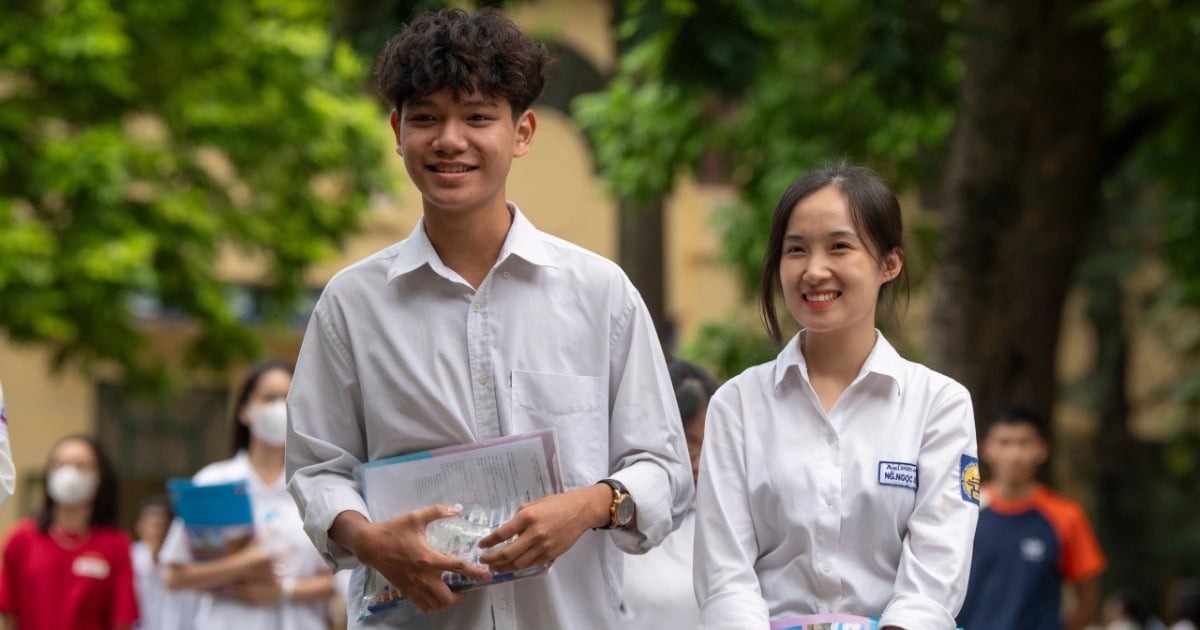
{"x":348,"y":529}
{"x":600,"y":501}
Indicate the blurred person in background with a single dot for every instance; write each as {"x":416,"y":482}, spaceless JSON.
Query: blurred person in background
{"x":1122,"y":610}
{"x":69,"y":567}
{"x":8,"y":475}
{"x":1030,"y":539}
{"x":658,"y":591}
{"x":161,"y":608}
{"x":279,"y":581}
{"x":1183,"y":607}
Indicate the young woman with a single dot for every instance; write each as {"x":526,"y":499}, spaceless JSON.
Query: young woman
{"x":69,"y":567}
{"x":840,"y":477}
{"x":280,"y":581}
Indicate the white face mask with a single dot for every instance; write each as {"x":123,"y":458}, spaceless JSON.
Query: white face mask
{"x":269,"y":422}
{"x":68,"y":485}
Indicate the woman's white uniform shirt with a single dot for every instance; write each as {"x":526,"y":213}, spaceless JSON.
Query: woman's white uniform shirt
{"x":277,"y":525}
{"x":869,"y":509}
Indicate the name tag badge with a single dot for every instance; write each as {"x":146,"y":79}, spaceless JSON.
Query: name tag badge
{"x":898,"y":475}
{"x":90,"y":566}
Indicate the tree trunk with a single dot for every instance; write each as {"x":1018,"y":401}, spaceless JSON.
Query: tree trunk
{"x":1022,"y":182}
{"x":641,"y":256}
{"x":1118,"y":460}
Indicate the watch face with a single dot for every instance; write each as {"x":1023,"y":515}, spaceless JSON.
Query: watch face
{"x":625,"y":511}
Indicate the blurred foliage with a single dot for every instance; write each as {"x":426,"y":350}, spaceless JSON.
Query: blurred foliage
{"x":1156,"y":45}
{"x":870,"y":79}
{"x":726,"y":348}
{"x":139,"y":138}
{"x":368,"y":24}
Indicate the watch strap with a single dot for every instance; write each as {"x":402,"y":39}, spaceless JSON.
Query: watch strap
{"x":619,"y":494}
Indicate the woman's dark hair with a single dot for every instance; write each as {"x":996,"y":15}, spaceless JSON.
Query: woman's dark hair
{"x":104,"y":504}
{"x":693,"y":387}
{"x":241,"y":432}
{"x":873,"y":209}
{"x":462,"y":52}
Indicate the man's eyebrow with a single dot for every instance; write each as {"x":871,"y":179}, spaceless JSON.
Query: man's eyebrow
{"x":485,"y":102}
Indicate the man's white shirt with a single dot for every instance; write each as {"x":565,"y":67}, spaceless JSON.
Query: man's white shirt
{"x":403,"y":355}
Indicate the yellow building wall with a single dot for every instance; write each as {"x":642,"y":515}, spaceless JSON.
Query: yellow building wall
{"x":42,"y":407}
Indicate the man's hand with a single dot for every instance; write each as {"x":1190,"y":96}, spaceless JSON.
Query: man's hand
{"x":547,"y":528}
{"x":396,"y":548}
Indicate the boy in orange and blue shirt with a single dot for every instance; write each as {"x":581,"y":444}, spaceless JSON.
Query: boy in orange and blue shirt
{"x":1029,"y":539}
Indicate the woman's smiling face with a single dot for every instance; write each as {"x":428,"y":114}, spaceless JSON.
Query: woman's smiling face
{"x":830,"y":273}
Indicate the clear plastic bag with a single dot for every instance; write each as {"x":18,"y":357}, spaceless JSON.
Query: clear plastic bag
{"x":456,"y":536}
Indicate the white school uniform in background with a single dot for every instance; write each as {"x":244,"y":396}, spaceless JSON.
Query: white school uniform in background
{"x":277,"y":526}
{"x":659,"y":594}
{"x":869,"y":509}
{"x":8,"y":474}
{"x":159,"y":608}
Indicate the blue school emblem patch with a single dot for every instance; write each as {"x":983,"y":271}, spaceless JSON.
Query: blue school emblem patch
{"x":969,"y":479}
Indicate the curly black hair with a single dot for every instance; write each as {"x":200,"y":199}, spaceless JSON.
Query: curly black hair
{"x":462,"y":52}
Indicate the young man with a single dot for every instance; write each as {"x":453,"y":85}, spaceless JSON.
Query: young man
{"x":475,"y":326}
{"x":1029,"y":539}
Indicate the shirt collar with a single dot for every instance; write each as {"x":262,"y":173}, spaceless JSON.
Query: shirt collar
{"x":883,"y":361}
{"x":523,"y":240}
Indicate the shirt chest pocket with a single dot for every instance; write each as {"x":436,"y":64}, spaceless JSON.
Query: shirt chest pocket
{"x":576,"y":407}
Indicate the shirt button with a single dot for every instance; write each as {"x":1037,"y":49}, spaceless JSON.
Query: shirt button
{"x":506,"y":275}
{"x":483,"y":380}
{"x":829,"y":501}
{"x":830,"y":438}
{"x":502,"y":604}
{"x":826,"y":568}
{"x":476,"y":307}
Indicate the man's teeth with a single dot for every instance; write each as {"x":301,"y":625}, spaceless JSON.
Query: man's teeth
{"x":822,"y":297}
{"x":452,"y":169}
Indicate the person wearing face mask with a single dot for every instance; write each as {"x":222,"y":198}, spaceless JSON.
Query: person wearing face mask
{"x":69,"y":567}
{"x":8,"y":475}
{"x":279,"y":581}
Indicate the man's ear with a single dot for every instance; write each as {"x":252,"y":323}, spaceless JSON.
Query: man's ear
{"x":395,"y":120}
{"x":526,"y":125}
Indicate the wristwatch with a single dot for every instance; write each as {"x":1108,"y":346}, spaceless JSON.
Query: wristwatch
{"x":621,"y":512}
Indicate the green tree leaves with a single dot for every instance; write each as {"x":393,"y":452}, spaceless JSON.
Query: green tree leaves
{"x":139,"y":140}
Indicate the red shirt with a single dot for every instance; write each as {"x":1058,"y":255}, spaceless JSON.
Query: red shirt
{"x":45,"y":586}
